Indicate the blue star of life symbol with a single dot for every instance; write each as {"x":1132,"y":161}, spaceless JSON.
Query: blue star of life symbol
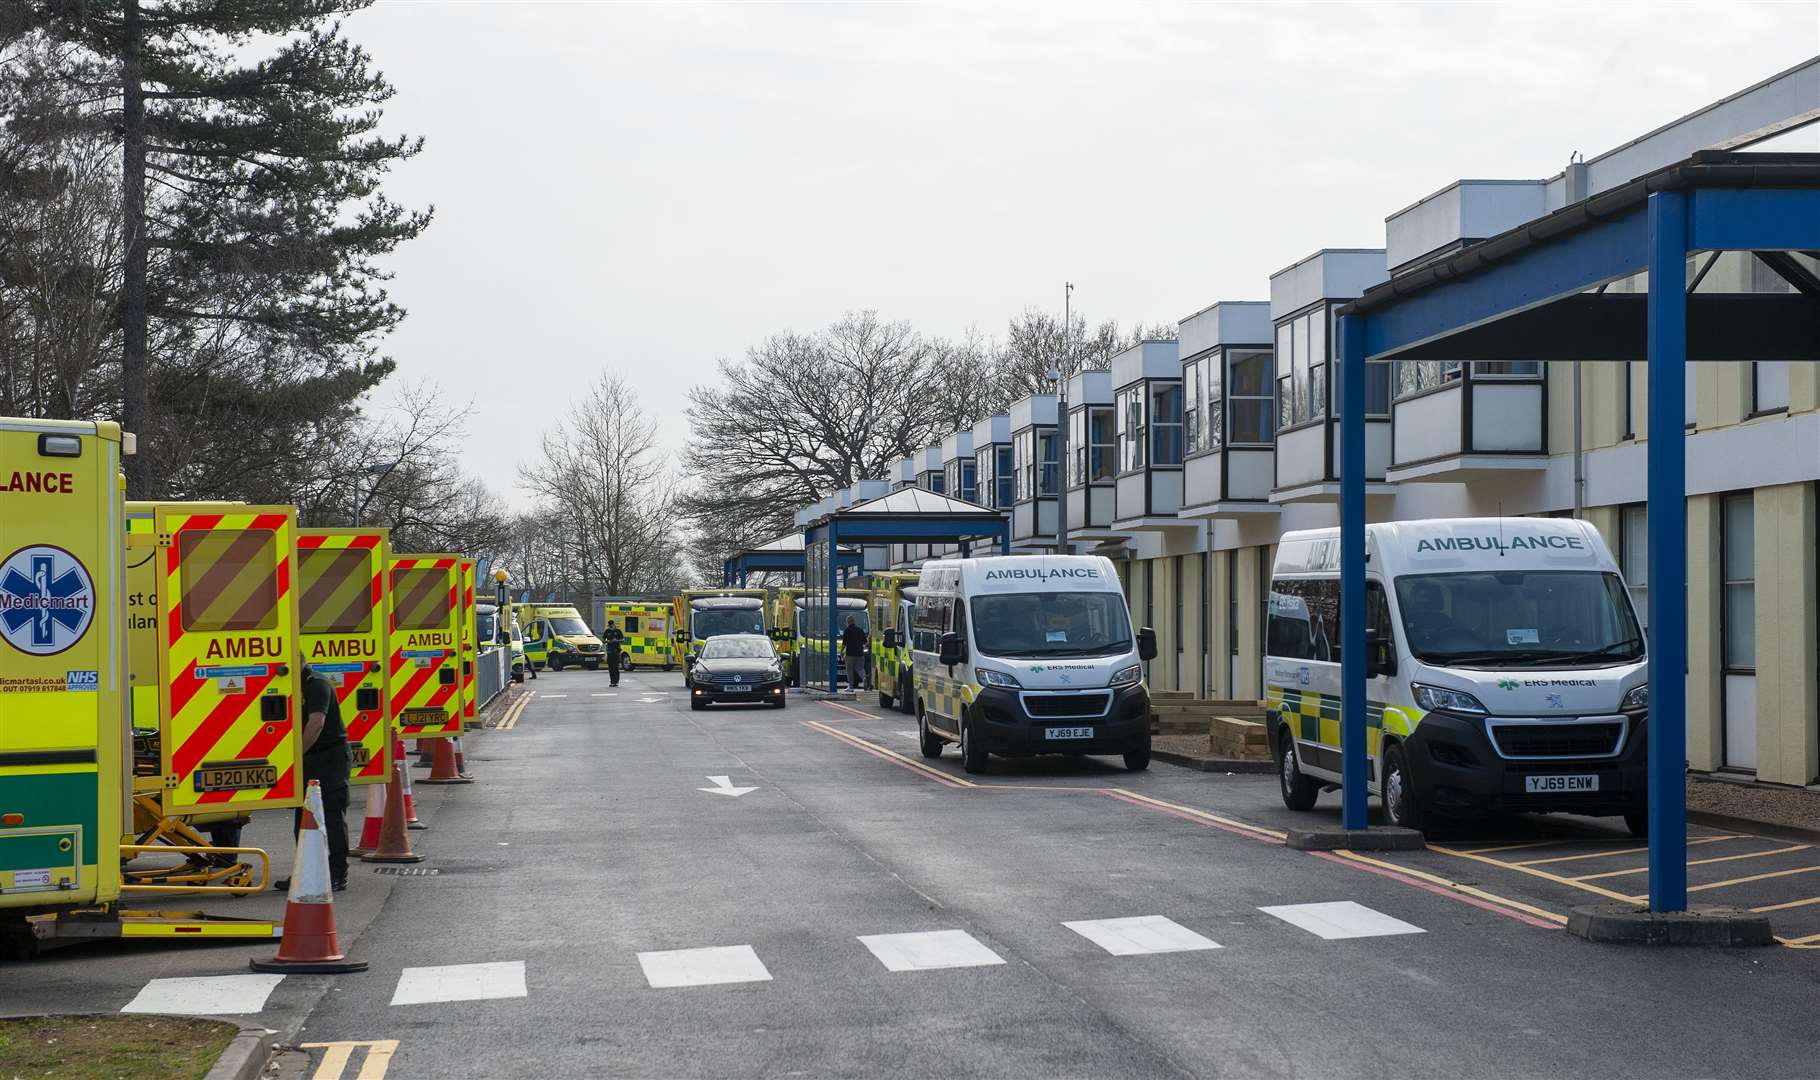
{"x":46,"y":600}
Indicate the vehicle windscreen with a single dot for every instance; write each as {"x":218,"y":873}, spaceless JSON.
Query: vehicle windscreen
{"x":1515,"y":618}
{"x":570,"y":626}
{"x":1032,"y":625}
{"x":712,"y":622}
{"x":486,"y":626}
{"x":743,"y":648}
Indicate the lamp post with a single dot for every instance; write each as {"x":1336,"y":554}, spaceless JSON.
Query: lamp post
{"x":1059,"y":373}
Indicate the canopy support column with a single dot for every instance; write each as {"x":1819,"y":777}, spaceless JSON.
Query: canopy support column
{"x":1352,"y":574}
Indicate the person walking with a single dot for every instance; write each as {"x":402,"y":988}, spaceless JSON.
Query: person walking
{"x":327,"y":760}
{"x":854,"y":643}
{"x":616,"y":640}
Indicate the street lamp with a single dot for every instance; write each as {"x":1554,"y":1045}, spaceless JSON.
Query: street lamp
{"x":1058,"y":374}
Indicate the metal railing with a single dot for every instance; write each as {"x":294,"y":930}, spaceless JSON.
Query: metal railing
{"x":492,"y":671}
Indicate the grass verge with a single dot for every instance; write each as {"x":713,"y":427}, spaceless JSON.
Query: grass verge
{"x":111,"y":1047}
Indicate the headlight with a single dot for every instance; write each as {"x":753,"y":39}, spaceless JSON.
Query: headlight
{"x":1437,"y":697}
{"x":1128,"y":676}
{"x":989,"y":677}
{"x":1638,"y":698}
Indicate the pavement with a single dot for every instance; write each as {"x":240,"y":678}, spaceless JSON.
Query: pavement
{"x":635,"y":889}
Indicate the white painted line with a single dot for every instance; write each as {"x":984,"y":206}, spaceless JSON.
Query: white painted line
{"x":703,"y":967}
{"x":210,"y":995}
{"x":912,"y":733}
{"x":460,"y":982}
{"x":1341,"y":919}
{"x":930,"y":949}
{"x":552,"y":697}
{"x":1141,"y":934}
{"x":613,"y":694}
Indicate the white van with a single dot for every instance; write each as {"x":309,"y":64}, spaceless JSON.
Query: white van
{"x":1028,"y":654}
{"x":1506,"y":670}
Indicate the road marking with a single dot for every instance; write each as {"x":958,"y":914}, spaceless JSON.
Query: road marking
{"x":460,"y":982}
{"x":1453,"y":890}
{"x":1607,"y":854}
{"x":911,"y":734}
{"x":889,"y":755}
{"x":1698,"y":862}
{"x":1340,"y":919}
{"x":724,"y":786}
{"x":613,"y":694}
{"x":553,"y":697}
{"x":1809,"y":902}
{"x":1533,"y":872}
{"x":208,"y":995}
{"x":516,"y":710}
{"x":1256,"y":832}
{"x":703,"y":967}
{"x":1141,"y":934}
{"x":336,"y":1055}
{"x":928,"y":950}
{"x":1743,"y":880}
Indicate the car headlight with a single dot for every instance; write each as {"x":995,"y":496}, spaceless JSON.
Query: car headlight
{"x":1638,"y":698}
{"x":1439,"y":697}
{"x":1126,"y":676}
{"x":989,"y":677}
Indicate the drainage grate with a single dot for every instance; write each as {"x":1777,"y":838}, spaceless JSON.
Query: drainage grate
{"x":408,"y":871}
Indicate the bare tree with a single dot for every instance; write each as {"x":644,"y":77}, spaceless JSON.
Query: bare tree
{"x":1036,"y":342}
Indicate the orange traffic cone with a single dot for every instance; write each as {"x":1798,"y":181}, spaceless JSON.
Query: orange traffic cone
{"x":461,"y":761}
{"x":394,"y":844}
{"x":442,"y":769}
{"x":410,"y":802}
{"x":370,"y":826}
{"x":309,"y":944}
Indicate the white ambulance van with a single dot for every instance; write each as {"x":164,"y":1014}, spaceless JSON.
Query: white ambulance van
{"x":1506,"y":670}
{"x":1023,"y":655}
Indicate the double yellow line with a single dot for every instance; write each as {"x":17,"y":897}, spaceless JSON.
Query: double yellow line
{"x":514,"y":711}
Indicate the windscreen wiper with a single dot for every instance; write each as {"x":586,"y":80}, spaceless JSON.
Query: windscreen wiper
{"x":1612,"y":649}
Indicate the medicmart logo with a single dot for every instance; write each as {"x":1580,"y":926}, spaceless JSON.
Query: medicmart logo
{"x":47,"y":600}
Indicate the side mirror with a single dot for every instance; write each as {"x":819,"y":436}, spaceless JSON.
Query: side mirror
{"x":689,"y":661}
{"x":1380,"y":655}
{"x":1146,"y":644}
{"x":891,"y":641}
{"x":953,"y":650}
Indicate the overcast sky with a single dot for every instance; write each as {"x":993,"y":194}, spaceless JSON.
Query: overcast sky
{"x":650,"y":187}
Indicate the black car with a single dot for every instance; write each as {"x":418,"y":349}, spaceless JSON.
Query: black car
{"x":736,"y":667}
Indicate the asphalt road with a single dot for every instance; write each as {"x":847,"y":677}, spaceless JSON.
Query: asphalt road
{"x":574,"y":877}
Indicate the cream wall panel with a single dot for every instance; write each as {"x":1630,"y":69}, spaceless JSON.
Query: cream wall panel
{"x":1787,"y":737}
{"x":1705,"y":687}
{"x":1220,"y":645}
{"x":1249,"y":603}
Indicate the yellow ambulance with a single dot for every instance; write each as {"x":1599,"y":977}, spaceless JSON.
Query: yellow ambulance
{"x":341,"y":575}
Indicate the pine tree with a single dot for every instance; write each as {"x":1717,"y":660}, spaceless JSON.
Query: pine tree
{"x":251,"y":203}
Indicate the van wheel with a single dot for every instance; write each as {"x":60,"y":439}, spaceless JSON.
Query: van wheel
{"x":973,"y":752}
{"x":904,"y":698}
{"x":696,"y":704}
{"x":555,"y":663}
{"x":1400,"y":805}
{"x":931,"y":742}
{"x":1299,"y":792}
{"x":1138,"y":760}
{"x":886,"y":701}
{"x":1638,"y":824}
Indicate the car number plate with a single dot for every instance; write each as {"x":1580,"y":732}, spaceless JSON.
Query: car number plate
{"x":363,"y":756}
{"x":235,"y":777}
{"x":1069,"y":733}
{"x":424,"y":716}
{"x":735,"y":688}
{"x":1574,"y":782}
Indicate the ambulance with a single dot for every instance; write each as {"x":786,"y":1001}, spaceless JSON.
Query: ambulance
{"x":343,"y":604}
{"x":470,"y":647}
{"x":783,"y":631}
{"x":891,"y":597}
{"x":556,"y":635}
{"x":424,"y":666}
{"x":700,"y":614}
{"x":1028,"y":654}
{"x":1506,"y":671}
{"x":645,"y":625}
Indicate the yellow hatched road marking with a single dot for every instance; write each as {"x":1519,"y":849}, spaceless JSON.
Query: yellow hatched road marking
{"x":336,"y":1055}
{"x":1698,"y":862}
{"x":1809,"y":940}
{"x":1514,"y":847}
{"x":1625,"y":851}
{"x":1532,"y":872}
{"x":1457,"y":886}
{"x":1745,"y":880}
{"x":1809,"y":902}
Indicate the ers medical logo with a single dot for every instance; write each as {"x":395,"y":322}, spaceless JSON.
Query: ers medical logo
{"x":47,"y":600}
{"x":47,"y":483}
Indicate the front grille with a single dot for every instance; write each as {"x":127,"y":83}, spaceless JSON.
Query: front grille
{"x":1558,"y":740}
{"x":729,"y":680}
{"x":1067,"y":705}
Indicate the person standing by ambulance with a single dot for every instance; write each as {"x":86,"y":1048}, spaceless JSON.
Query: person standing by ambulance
{"x":615,"y":640}
{"x":327,"y":760}
{"x":855,"y":644}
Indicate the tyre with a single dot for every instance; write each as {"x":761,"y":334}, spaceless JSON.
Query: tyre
{"x":669,"y":666}
{"x":780,"y":703}
{"x":973,"y":751}
{"x":696,"y":704}
{"x":1299,"y":792}
{"x":905,"y":702}
{"x":1637,"y":823}
{"x":555,"y":663}
{"x":885,"y":701}
{"x":1401,"y":807}
{"x":931,"y":742}
{"x":1138,"y":760}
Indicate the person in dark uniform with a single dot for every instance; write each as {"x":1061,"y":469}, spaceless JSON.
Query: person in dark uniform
{"x":855,"y":644}
{"x":327,"y":760}
{"x":616,"y":639}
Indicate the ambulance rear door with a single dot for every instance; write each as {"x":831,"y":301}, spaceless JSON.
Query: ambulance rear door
{"x":426,"y":642}
{"x":470,"y":648}
{"x":342,"y":613}
{"x":228,"y":657}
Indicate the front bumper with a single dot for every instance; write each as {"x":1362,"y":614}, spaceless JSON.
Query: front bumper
{"x":1010,"y":730}
{"x":1456,"y":769}
{"x":759,"y":692}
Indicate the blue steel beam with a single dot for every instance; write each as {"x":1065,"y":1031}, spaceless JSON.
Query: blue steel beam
{"x":1352,"y":573}
{"x":1667,"y":508}
{"x":1753,"y":219}
{"x":834,"y":532}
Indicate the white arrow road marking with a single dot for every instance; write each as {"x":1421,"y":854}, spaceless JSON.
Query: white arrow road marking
{"x":649,"y":700}
{"x":724,"y":786}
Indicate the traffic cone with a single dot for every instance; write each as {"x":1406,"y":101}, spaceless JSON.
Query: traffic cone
{"x":410,"y":802}
{"x":442,"y":769}
{"x":394,"y":844}
{"x":369,"y":828}
{"x":309,"y":944}
{"x":461,"y":761}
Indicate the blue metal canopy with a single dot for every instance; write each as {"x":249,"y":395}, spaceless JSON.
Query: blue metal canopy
{"x":1527,"y":291}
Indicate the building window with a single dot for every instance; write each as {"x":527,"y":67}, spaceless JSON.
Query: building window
{"x":1739,"y":566}
{"x":1420,"y":376}
{"x":961,"y":478}
{"x":983,"y":479}
{"x":1769,"y":385}
{"x":1046,"y":445}
{"x":1636,"y":397}
{"x":1506,"y":369}
{"x":1194,"y":399}
{"x":1132,"y":432}
{"x":1024,"y":444}
{"x":1102,"y":435}
{"x":1302,"y":363}
{"x":1212,"y":430}
{"x":1005,"y":476}
{"x":1633,"y":558}
{"x":1248,"y":399}
{"x":1166,"y":424}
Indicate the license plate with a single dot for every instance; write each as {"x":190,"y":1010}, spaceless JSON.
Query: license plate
{"x":235,"y":777}
{"x":737,"y":689}
{"x":1068,"y":733}
{"x":424,"y":716}
{"x":1574,"y":782}
{"x":362,"y":757}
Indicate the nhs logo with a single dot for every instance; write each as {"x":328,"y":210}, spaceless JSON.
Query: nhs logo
{"x":89,"y":681}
